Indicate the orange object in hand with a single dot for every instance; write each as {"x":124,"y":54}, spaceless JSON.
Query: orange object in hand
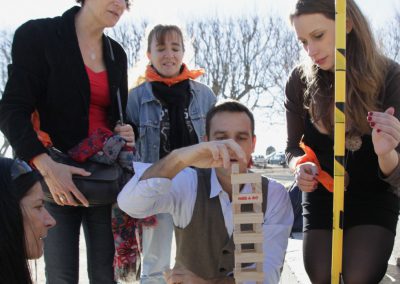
{"x":323,"y":177}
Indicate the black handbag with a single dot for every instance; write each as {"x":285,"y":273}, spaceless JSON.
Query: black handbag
{"x":105,"y":182}
{"x":100,"y":188}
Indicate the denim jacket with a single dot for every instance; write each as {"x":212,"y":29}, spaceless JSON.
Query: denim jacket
{"x":144,"y":110}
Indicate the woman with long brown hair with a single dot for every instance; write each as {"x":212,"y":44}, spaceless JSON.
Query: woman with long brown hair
{"x":372,"y":137}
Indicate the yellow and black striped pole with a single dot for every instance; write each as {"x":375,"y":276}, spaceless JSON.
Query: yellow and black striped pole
{"x":339,"y":140}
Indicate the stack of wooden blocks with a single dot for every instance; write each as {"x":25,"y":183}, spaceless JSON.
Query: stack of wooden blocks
{"x":243,"y":237}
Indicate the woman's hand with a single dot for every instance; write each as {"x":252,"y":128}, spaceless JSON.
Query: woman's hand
{"x":305,"y":176}
{"x":385,"y":137}
{"x":58,"y":178}
{"x":126,"y":132}
{"x":385,"y":131}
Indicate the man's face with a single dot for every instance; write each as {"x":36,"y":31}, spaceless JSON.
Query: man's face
{"x":236,"y":126}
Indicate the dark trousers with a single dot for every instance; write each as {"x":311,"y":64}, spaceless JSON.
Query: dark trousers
{"x":61,"y":251}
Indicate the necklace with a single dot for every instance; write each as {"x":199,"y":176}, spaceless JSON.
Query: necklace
{"x":353,"y":142}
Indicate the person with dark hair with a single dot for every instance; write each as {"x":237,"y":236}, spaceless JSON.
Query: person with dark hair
{"x":199,"y":200}
{"x":169,"y":109}
{"x":68,"y":70}
{"x":372,"y":169}
{"x":127,"y":3}
{"x":24,"y":221}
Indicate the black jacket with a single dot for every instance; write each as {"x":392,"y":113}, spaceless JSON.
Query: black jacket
{"x":48,"y":74}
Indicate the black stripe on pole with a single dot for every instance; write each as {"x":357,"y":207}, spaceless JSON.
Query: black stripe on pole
{"x":340,"y":106}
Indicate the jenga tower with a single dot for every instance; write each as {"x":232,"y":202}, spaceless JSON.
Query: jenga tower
{"x":247,"y":219}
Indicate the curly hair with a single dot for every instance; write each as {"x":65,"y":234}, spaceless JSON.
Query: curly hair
{"x":127,"y":2}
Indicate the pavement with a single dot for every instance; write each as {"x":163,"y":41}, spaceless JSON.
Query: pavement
{"x":293,"y":270}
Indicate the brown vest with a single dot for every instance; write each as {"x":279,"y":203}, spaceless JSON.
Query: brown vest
{"x":204,"y":246}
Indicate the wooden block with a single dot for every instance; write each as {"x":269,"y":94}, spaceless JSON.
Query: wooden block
{"x":248,"y":218}
{"x":249,"y":257}
{"x":258,"y":247}
{"x":259,"y":267}
{"x":257,"y":207}
{"x":248,"y":238}
{"x":236,"y":208}
{"x":245,"y":178}
{"x":256,"y":187}
{"x":238,"y":267}
{"x":257,"y":227}
{"x":247,"y":198}
{"x":235,"y":168}
{"x":248,"y":275}
{"x":235,"y":189}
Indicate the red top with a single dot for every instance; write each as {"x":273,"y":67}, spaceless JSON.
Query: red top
{"x":99,"y":100}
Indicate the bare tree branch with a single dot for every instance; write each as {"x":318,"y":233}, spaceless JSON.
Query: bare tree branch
{"x":389,"y":38}
{"x":246,"y":59}
{"x":5,"y":59}
{"x":5,"y":56}
{"x":130,"y":35}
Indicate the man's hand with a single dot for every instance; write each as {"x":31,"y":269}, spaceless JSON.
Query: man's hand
{"x":211,"y":154}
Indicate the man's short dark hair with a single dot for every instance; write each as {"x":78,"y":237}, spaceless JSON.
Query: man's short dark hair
{"x":127,"y":2}
{"x":228,"y":106}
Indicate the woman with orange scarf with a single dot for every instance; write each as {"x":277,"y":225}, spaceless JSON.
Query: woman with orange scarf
{"x":169,"y":109}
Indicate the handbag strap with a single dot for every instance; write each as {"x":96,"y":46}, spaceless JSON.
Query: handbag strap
{"x":121,"y":117}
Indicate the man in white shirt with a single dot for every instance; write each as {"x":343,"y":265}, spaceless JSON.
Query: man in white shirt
{"x":199,"y":200}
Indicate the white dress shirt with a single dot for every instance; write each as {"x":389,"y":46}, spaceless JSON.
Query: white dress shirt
{"x":148,"y":197}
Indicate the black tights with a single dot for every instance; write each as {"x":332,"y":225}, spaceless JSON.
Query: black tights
{"x":366,"y":251}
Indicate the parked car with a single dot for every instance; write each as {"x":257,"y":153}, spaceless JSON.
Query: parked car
{"x":259,"y":161}
{"x":278,"y":158}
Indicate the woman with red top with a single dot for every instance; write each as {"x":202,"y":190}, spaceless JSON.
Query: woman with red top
{"x":170,"y":110}
{"x":67,"y":69}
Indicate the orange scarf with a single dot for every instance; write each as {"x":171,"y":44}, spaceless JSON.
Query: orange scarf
{"x":42,"y":136}
{"x":152,"y":75}
{"x":323,"y":177}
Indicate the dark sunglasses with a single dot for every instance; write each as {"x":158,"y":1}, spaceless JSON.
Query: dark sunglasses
{"x":19,"y":168}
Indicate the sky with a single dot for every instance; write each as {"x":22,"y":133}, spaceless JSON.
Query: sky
{"x":14,"y":13}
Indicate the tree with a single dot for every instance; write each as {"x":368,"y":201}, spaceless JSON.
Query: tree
{"x":389,"y":38}
{"x":246,"y":59}
{"x":5,"y":56}
{"x":5,"y":59}
{"x":130,"y":35}
{"x":270,"y":150}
